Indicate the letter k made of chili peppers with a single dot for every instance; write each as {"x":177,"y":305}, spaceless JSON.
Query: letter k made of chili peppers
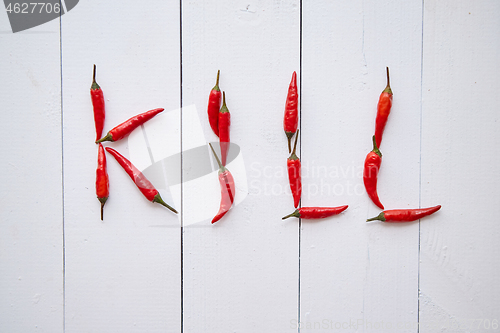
{"x":370,"y":172}
{"x":293,"y":166}
{"x":291,"y":119}
{"x":227,"y":189}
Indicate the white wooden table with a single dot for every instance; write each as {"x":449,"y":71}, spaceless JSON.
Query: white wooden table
{"x":144,"y":270}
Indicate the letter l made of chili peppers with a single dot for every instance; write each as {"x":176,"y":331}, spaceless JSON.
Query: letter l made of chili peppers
{"x":370,"y":173}
{"x":101,"y":179}
{"x":383,"y":109}
{"x":142,"y":183}
{"x":293,"y":166}
{"x":227,"y":189}
{"x":291,"y":119}
{"x":214,"y":100}
{"x":224,"y":125}
{"x":97,"y":98}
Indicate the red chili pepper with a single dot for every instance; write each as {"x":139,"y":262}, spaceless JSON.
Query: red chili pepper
{"x":404,"y":215}
{"x":291,"y":120}
{"x":227,"y":189}
{"x":101,"y":179}
{"x":370,"y":173}
{"x":214,"y":100}
{"x":125,"y":128}
{"x":224,"y":124}
{"x":98,"y":103}
{"x":383,"y":110}
{"x":316,"y":212}
{"x":293,"y":166}
{"x":139,"y":179}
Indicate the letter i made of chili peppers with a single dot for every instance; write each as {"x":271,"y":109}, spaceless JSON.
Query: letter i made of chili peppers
{"x":142,"y":183}
{"x":224,"y":124}
{"x":404,"y":215}
{"x":101,"y":179}
{"x":316,"y":212}
{"x":291,"y":119}
{"x":125,"y":128}
{"x":370,"y":173}
{"x":214,"y":100}
{"x":293,"y":166}
{"x":383,"y":109}
{"x":98,"y":104}
{"x":227,"y":189}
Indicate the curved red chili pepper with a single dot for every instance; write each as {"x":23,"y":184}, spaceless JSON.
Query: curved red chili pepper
{"x":125,"y":128}
{"x":101,"y":179}
{"x":404,"y":215}
{"x":383,"y":110}
{"x":291,"y":119}
{"x":370,"y":173}
{"x":142,"y":183}
{"x":293,"y":166}
{"x":224,"y":124}
{"x":316,"y":212}
{"x":227,"y":189}
{"x":98,"y":104}
{"x":214,"y":100}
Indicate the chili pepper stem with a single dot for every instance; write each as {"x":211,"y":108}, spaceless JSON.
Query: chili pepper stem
{"x":293,"y":156}
{"x":217,"y":82}
{"x":108,"y":137}
{"x":103,"y":201}
{"x":94,"y":84}
{"x":379,"y":217}
{"x":294,"y":214}
{"x":289,"y":135}
{"x":388,"y":87}
{"x":375,"y":148}
{"x":159,"y":200}
{"x":221,"y":167}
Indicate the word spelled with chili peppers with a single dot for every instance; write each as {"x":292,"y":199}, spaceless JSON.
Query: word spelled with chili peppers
{"x":214,"y":100}
{"x":142,"y":183}
{"x":370,"y":173}
{"x":101,"y":179}
{"x":227,"y":189}
{"x":404,"y":215}
{"x":125,"y":128}
{"x":98,"y":104}
{"x":383,"y":109}
{"x":291,"y":119}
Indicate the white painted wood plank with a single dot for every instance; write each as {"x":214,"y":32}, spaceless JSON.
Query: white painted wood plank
{"x":241,"y":274}
{"x":122,"y":274}
{"x":459,"y":246}
{"x":31,"y":242}
{"x":355,"y":275}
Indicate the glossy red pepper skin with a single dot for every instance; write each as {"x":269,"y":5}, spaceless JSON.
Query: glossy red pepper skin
{"x":370,"y":173}
{"x":383,"y":110}
{"x":294,"y":177}
{"x":214,"y":100}
{"x":142,"y":183}
{"x":125,"y":128}
{"x":97,"y":98}
{"x":316,"y":212}
{"x":227,"y":189}
{"x":224,"y":125}
{"x":101,"y":179}
{"x":291,"y":119}
{"x":405,"y":215}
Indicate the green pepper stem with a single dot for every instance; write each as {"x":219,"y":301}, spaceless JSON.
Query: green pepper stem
{"x":108,"y":137}
{"x":379,"y":217}
{"x":94,"y":84}
{"x":375,"y":148}
{"x":294,"y":214}
{"x":221,"y":167}
{"x":159,"y":200}
{"x":289,"y":136}
{"x":293,"y":156}
{"x":388,"y":87}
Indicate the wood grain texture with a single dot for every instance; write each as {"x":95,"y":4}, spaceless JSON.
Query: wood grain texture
{"x":31,"y":214}
{"x":459,"y":270}
{"x":123,"y":273}
{"x":242,"y":273}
